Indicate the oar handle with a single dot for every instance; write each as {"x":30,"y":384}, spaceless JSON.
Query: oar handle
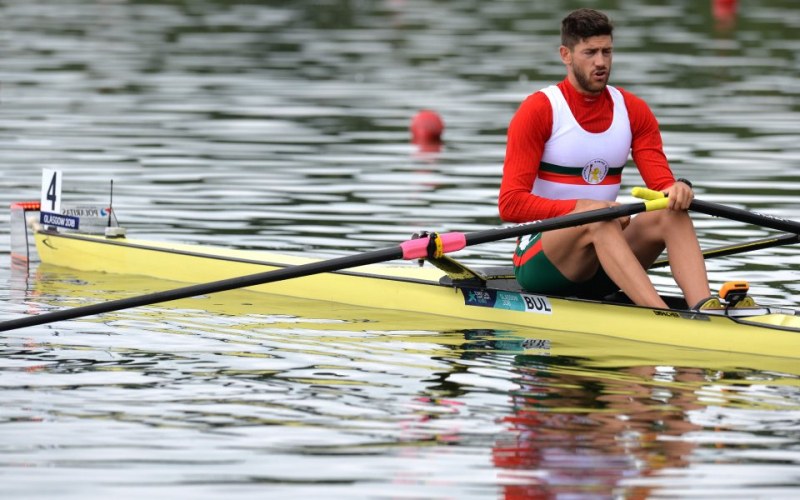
{"x":647,"y":194}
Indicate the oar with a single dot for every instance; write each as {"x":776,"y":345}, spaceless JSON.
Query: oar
{"x":739,"y":215}
{"x":719,"y":210}
{"x":408,"y":250}
{"x":737,"y":248}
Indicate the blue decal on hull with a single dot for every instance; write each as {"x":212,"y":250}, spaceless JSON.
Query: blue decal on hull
{"x":509,"y":301}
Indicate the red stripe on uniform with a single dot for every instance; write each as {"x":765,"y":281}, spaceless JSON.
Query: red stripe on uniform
{"x":528,"y":255}
{"x":577,"y":179}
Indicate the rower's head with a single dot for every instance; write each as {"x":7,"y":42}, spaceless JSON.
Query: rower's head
{"x":587,"y":42}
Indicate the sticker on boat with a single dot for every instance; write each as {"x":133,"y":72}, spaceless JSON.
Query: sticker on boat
{"x":511,"y":301}
{"x":58,"y":220}
{"x":97,"y":211}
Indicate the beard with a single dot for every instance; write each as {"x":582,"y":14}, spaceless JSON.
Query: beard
{"x":588,"y":84}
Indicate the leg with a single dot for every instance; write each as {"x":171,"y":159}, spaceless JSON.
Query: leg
{"x":578,"y":252}
{"x":649,"y":233}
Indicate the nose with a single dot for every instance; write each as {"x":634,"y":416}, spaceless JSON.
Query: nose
{"x":600,"y":59}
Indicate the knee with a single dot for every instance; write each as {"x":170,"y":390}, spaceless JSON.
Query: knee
{"x":662,"y":222}
{"x":597,"y":229}
{"x":671,"y":218}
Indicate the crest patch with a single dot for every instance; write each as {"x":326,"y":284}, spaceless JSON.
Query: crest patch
{"x":595,"y":171}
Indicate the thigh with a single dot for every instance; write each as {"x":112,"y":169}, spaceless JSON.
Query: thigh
{"x":534,"y":271}
{"x":571,"y":251}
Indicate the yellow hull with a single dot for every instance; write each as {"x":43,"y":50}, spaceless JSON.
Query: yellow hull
{"x":406,"y":288}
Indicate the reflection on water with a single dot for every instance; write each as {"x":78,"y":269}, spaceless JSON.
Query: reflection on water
{"x":209,"y":390}
{"x":595,"y":432}
{"x":286,"y":125}
{"x":337,"y":401}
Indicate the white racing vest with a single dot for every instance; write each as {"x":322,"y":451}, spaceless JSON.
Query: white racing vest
{"x":577,"y":164}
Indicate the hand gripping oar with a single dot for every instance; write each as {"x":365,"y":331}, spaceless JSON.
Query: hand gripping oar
{"x":411,"y":249}
{"x":737,"y":214}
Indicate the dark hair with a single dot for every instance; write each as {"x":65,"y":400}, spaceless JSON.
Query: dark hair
{"x":582,"y":24}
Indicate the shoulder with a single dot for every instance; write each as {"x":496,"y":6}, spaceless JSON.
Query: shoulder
{"x":535,"y":107}
{"x":633,"y":102}
{"x":536,"y":101}
{"x":534,"y":117}
{"x":640,"y":114}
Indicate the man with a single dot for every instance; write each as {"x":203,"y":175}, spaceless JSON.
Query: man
{"x":566,"y":148}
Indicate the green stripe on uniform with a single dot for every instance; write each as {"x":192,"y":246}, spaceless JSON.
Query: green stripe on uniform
{"x":576,"y":171}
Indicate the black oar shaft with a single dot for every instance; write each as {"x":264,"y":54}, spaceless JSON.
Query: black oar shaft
{"x":569,"y":220}
{"x":737,"y":248}
{"x":205,"y":288}
{"x":412,"y":249}
{"x":737,"y":214}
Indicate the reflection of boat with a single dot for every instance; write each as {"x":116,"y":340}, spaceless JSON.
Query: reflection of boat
{"x":260,"y":314}
{"x":472,"y":296}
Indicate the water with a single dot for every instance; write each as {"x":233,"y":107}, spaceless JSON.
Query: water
{"x":285,"y":126}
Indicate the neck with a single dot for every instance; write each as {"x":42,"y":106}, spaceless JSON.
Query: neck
{"x":584,"y":95}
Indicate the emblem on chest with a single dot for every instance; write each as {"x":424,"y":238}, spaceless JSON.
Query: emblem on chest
{"x":595,"y":171}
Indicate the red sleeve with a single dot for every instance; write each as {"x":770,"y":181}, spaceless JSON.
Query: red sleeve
{"x":647,"y":147}
{"x":528,"y":132}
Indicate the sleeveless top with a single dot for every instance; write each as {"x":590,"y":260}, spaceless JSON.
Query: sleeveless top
{"x":579,"y":164}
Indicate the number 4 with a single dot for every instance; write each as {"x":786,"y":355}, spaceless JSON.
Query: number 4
{"x":51,"y":190}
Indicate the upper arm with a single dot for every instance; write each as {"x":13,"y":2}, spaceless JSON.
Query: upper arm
{"x":647,"y":147}
{"x":528,"y":132}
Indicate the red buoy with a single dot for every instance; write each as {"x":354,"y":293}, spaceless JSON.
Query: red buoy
{"x":724,"y":12}
{"x":427,"y":127}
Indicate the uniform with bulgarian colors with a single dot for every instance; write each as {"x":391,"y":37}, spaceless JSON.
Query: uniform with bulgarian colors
{"x":564,"y":146}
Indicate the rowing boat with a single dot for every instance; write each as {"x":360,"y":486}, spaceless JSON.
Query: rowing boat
{"x":266,"y":317}
{"x":479,"y":295}
{"x":381,"y":281}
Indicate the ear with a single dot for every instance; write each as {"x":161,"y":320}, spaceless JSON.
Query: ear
{"x":566,"y":55}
